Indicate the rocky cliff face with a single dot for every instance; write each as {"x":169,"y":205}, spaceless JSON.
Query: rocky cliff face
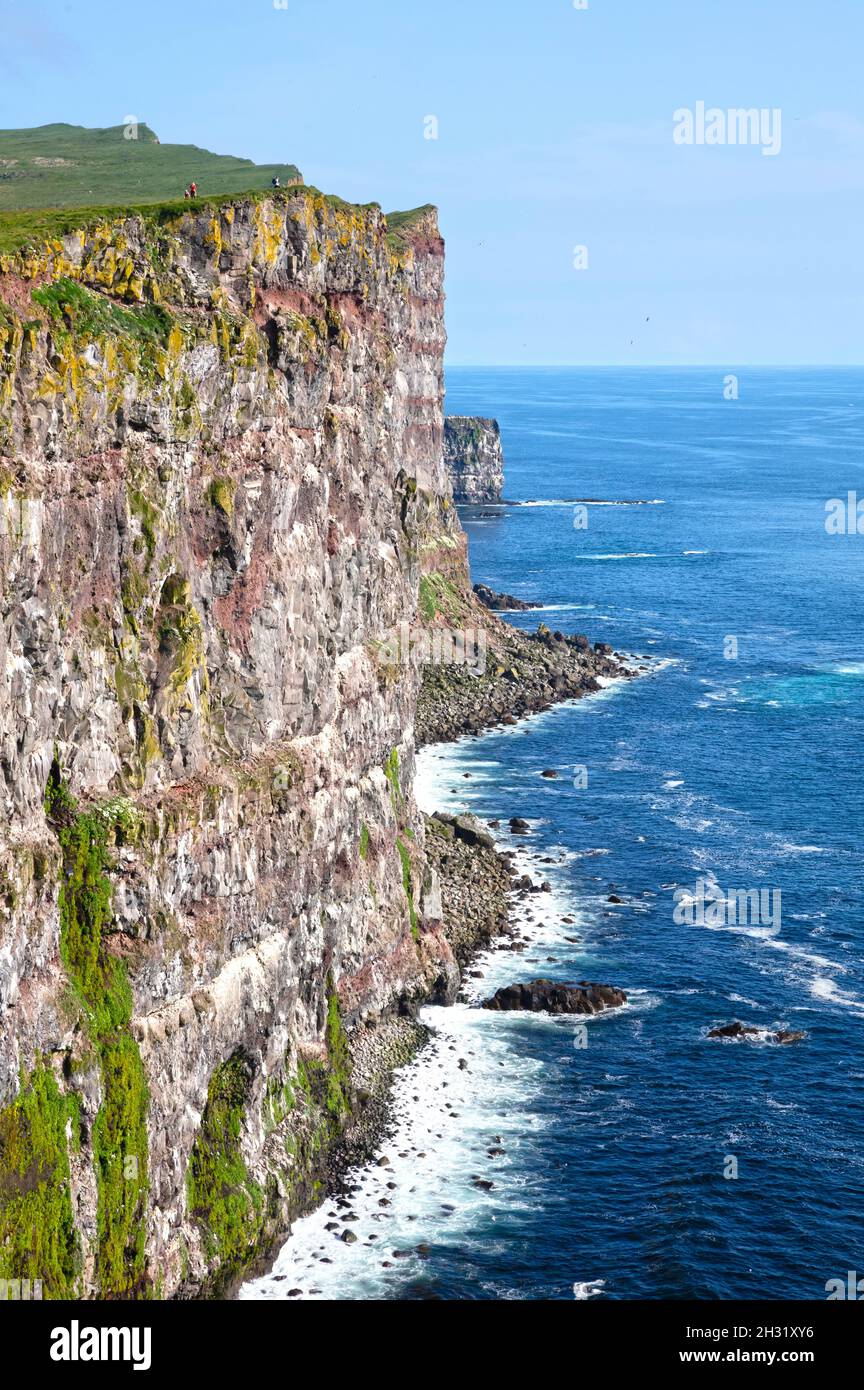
{"x":221,"y":478}
{"x":474,"y":458}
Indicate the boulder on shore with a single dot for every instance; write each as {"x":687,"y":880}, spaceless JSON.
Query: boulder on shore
{"x":550,"y":996}
{"x":466,"y":827}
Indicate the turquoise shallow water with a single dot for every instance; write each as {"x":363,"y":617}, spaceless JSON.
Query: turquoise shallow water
{"x":611,"y":1183}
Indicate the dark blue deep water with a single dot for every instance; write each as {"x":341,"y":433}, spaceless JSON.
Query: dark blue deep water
{"x":613,"y":1181}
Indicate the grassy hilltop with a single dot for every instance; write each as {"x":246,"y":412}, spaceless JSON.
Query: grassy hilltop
{"x":64,"y":166}
{"x":55,"y":179}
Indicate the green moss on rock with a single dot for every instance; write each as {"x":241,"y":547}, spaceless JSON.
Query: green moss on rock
{"x":101,"y":988}
{"x":408,"y":884}
{"x":338,"y":1058}
{"x":391,"y":772}
{"x":38,"y":1240}
{"x":220,"y":494}
{"x":224,"y":1201}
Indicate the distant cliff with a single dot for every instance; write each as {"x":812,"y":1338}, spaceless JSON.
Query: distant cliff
{"x":474,"y":458}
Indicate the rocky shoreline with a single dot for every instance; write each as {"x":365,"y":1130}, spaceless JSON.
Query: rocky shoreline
{"x":474,"y":886}
{"x":524,"y":674}
{"x":474,"y":882}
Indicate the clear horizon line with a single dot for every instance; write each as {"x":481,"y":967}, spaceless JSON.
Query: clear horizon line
{"x":659,"y":366}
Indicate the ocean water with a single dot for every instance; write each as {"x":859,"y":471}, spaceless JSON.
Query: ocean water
{"x":612,"y":1143}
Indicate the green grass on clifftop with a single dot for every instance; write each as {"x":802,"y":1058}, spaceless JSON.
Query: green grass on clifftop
{"x":64,"y":166}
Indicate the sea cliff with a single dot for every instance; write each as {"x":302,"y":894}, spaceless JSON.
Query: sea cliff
{"x":222,"y":492}
{"x":221,"y":475}
{"x":474,"y":458}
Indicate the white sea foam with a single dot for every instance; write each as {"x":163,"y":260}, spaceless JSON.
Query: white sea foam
{"x":446,"y":1120}
{"x":787,"y":848}
{"x":588,"y":502}
{"x":848,"y":668}
{"x":641,"y":555}
{"x":824,"y":988}
{"x":590,"y":1288}
{"x":564,"y":607}
{"x":434,"y":1155}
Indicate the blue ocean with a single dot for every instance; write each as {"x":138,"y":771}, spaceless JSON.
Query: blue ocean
{"x":631,"y":1156}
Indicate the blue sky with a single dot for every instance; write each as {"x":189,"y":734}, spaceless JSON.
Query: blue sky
{"x":554,"y":131}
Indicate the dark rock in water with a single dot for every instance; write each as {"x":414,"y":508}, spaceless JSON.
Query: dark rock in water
{"x":550,"y":773}
{"x":550,"y":996}
{"x":501,"y":602}
{"x":613,"y":898}
{"x":733,"y":1030}
{"x":348,"y":1237}
{"x":603,"y":648}
{"x":749,"y":1030}
{"x":518,"y":825}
